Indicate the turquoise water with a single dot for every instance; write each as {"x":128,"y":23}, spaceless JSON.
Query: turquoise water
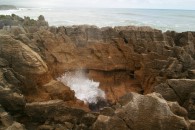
{"x":178,"y":20}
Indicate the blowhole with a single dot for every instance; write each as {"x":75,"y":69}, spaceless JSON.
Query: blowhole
{"x":85,"y":89}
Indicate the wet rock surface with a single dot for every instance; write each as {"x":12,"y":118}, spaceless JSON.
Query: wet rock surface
{"x":130,"y":63}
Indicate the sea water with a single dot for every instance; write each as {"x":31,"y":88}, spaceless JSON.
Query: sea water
{"x":177,"y":20}
{"x":85,"y":89}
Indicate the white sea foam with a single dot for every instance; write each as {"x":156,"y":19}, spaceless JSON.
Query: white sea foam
{"x":7,"y":12}
{"x":85,"y":89}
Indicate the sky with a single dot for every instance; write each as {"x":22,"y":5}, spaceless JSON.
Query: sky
{"x":151,"y":4}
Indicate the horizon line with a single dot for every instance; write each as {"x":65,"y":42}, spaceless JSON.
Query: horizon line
{"x":79,"y":7}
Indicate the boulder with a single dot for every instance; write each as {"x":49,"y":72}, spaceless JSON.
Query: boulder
{"x":176,"y":89}
{"x":25,"y":69}
{"x":53,"y":109}
{"x":150,"y":112}
{"x":167,"y":92}
{"x":21,"y":58}
{"x":109,"y":123}
{"x":58,"y":90}
{"x":182,"y":87}
{"x":16,"y":126}
{"x":144,"y":112}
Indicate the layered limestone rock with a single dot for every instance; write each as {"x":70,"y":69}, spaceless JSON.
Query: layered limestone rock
{"x":147,"y":112}
{"x":122,"y":59}
{"x":131,"y":59}
{"x":21,"y":58}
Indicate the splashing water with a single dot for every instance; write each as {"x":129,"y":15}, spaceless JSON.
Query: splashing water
{"x":85,"y":89}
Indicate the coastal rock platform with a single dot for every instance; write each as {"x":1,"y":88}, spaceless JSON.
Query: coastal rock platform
{"x":148,"y":76}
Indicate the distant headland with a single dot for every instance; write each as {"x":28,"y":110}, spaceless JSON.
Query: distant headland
{"x":7,"y":7}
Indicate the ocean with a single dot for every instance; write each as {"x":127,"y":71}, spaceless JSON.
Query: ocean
{"x":176,"y":20}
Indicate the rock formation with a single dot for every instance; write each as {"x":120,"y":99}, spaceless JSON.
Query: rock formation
{"x":147,"y":112}
{"x":134,"y":65}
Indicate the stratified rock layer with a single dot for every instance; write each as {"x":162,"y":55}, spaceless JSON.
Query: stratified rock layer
{"x":123,"y":59}
{"x":150,"y":112}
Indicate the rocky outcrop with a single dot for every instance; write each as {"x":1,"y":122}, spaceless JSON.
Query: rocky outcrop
{"x":20,"y":55}
{"x":58,"y":90}
{"x":180,"y":90}
{"x":148,"y":112}
{"x":130,"y":59}
{"x":7,"y":22}
{"x":122,"y":59}
{"x":25,"y":77}
{"x":11,"y":96}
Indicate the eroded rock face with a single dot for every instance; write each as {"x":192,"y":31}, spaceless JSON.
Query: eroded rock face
{"x":107,"y":123}
{"x":21,"y":58}
{"x":11,"y":96}
{"x":58,"y":90}
{"x":147,"y":112}
{"x":182,"y":87}
{"x":144,"y":56}
{"x":51,"y":109}
{"x":123,"y":59}
{"x":180,"y":90}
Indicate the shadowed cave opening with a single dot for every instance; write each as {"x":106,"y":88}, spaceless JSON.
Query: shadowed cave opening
{"x":85,"y":89}
{"x":99,"y":89}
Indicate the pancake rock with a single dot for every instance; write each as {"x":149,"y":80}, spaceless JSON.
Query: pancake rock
{"x":128,"y":63}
